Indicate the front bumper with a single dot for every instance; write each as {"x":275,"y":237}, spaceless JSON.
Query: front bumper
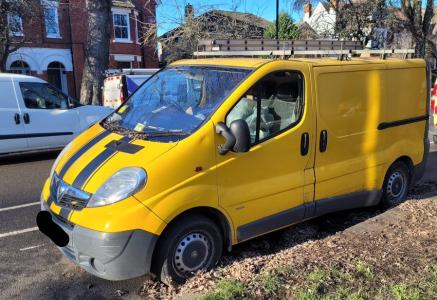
{"x":112,"y":256}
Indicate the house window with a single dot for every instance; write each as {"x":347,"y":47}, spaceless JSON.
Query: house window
{"x":121,"y":27}
{"x":20,"y":67}
{"x":137,"y":33}
{"x":51,"y":19}
{"x":15,"y":25}
{"x":124,"y":65}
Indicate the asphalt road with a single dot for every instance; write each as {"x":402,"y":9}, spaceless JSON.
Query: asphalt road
{"x":31,"y":267}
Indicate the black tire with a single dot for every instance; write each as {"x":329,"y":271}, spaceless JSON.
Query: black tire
{"x":197,"y":240}
{"x":396,"y":184}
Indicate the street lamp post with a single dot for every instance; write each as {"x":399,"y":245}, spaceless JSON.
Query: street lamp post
{"x":277,"y":19}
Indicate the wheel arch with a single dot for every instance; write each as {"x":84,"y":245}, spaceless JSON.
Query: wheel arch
{"x":408,"y":161}
{"x":214,"y":214}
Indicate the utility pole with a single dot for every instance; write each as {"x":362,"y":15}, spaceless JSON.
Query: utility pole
{"x":277,"y":19}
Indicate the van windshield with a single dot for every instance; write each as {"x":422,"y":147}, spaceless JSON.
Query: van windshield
{"x":175,"y":102}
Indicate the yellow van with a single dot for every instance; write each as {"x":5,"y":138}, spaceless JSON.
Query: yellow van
{"x":208,"y":153}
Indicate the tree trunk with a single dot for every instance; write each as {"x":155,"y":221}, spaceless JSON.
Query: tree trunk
{"x":420,"y":47}
{"x":96,"y":51}
{"x":3,"y":59}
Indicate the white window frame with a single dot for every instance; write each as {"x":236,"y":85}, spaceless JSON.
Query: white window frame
{"x":15,"y":33}
{"x":125,"y":13}
{"x":50,"y":4}
{"x":138,"y":41}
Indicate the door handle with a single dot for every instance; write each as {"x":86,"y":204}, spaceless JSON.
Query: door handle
{"x":26,"y":118}
{"x":304,"y":143}
{"x":323,"y":141}
{"x":17,"y":118}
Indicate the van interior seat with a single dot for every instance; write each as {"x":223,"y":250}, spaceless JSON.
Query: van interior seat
{"x":282,"y":106}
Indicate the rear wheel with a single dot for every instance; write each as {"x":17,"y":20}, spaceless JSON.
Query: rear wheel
{"x":189,"y":245}
{"x":396,"y":184}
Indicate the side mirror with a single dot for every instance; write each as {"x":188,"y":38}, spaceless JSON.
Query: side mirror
{"x":237,"y":136}
{"x":240,"y":130}
{"x":224,"y":130}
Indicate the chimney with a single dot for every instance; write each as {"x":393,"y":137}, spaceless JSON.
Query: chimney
{"x":307,"y":12}
{"x":189,"y":11}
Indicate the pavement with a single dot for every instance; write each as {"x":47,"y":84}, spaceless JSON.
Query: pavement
{"x":31,"y":267}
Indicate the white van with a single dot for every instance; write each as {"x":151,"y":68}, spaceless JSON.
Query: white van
{"x":36,"y":116}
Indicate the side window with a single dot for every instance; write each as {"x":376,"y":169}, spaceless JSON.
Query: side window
{"x":272,"y":105}
{"x":39,"y":95}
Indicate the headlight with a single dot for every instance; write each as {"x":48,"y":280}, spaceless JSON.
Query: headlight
{"x":120,"y":185}
{"x":66,"y":148}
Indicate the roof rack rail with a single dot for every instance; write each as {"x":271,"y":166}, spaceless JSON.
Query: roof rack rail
{"x":130,"y":71}
{"x":285,"y":49}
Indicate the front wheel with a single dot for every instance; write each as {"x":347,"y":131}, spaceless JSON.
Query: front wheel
{"x":396,"y":184}
{"x":190,"y":244}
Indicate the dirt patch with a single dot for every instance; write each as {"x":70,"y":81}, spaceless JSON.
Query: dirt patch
{"x":390,"y":255}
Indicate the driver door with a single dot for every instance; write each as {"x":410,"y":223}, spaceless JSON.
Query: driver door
{"x":48,"y":121}
{"x":267,"y":188}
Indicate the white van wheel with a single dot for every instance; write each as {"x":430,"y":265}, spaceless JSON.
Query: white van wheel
{"x":396,"y":184}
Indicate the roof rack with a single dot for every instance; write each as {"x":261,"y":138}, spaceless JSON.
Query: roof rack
{"x":285,"y":49}
{"x":110,"y":72}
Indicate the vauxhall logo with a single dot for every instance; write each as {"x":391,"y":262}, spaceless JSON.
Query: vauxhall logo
{"x":61,"y":190}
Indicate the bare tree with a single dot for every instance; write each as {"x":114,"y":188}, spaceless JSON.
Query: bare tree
{"x":13,"y":14}
{"x":357,"y":19}
{"x":96,"y":51}
{"x":418,"y":23}
{"x":201,"y":22}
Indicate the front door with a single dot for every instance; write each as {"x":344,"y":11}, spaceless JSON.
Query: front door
{"x":48,"y":121}
{"x":263,"y":189}
{"x":12,"y":137}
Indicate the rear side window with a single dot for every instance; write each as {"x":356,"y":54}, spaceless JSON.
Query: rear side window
{"x":40,"y":95}
{"x":272,"y":105}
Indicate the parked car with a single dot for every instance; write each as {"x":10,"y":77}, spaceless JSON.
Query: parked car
{"x":118,"y":86}
{"x":36,"y":116}
{"x":210,"y":153}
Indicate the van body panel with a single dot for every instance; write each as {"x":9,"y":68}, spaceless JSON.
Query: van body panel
{"x":12,"y":135}
{"x":406,"y":139}
{"x":272,"y":171}
{"x":193,"y":182}
{"x":350,"y":106}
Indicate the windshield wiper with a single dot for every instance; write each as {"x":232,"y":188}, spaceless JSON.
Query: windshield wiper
{"x":166,"y":133}
{"x":117,"y":128}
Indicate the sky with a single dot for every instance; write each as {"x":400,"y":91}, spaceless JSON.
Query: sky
{"x":170,"y":12}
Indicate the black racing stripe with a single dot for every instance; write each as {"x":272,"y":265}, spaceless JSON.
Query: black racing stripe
{"x":65,"y":212}
{"x":93,"y":165}
{"x":81,"y":151}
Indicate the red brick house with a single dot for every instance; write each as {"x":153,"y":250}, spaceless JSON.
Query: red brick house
{"x":55,"y":42}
